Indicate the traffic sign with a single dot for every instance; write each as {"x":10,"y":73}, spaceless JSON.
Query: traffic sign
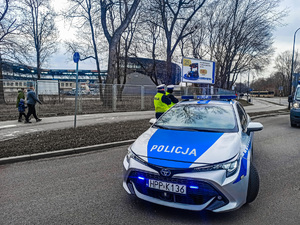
{"x":76,"y":57}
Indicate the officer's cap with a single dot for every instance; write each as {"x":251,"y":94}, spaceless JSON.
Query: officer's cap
{"x":170,"y":86}
{"x":161,"y":87}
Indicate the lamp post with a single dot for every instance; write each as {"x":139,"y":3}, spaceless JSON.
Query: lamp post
{"x":292,"y":67}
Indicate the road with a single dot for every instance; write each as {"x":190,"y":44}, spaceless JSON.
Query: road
{"x":87,"y":189}
{"x":276,"y":100}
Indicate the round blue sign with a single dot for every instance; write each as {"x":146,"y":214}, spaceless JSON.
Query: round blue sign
{"x":76,"y":57}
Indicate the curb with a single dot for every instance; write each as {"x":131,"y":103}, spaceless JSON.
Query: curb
{"x":270,"y":114}
{"x":64,"y":152}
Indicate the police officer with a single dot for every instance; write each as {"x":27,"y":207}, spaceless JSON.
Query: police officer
{"x":161,"y":101}
{"x":170,"y":95}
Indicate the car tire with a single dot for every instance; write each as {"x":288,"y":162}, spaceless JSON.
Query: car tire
{"x":293,"y":124}
{"x":253,"y":185}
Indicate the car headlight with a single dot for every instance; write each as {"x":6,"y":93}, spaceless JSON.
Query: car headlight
{"x":295,"y":105}
{"x":132,"y":155}
{"x":230,"y":167}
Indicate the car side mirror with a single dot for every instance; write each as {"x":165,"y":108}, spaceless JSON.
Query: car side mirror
{"x":290,"y":99}
{"x":152,"y":121}
{"x":254,"y":126}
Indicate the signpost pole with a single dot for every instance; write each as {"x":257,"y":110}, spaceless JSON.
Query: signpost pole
{"x":76,"y":58}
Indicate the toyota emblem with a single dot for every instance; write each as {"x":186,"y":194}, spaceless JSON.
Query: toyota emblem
{"x":165,"y":172}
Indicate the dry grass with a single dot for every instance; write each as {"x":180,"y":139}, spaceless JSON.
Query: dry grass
{"x":72,"y":138}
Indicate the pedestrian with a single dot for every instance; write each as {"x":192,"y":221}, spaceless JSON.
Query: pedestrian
{"x":21,"y":95}
{"x":21,"y":109}
{"x":169,"y":94}
{"x":161,"y":101}
{"x":31,"y":101}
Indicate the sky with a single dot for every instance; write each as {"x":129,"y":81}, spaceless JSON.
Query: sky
{"x":283,"y":38}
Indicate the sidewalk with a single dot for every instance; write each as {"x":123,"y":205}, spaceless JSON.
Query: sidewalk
{"x":266,"y":105}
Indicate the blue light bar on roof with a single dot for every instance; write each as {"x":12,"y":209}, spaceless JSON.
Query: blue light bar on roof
{"x":209,"y":97}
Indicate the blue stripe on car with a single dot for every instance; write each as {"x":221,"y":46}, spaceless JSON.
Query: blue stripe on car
{"x":244,"y":161}
{"x":203,"y":101}
{"x":179,"y":149}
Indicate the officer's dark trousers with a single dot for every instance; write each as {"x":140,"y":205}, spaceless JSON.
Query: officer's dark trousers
{"x":31,"y":110}
{"x":158,"y":114}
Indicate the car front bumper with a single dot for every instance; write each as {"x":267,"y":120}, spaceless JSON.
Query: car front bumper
{"x":295,"y":115}
{"x":215,"y":192}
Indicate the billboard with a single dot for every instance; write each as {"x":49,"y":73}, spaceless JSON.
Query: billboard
{"x":198,"y":71}
{"x":47,"y":87}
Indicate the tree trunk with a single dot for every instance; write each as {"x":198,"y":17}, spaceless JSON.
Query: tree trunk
{"x":112,"y":60}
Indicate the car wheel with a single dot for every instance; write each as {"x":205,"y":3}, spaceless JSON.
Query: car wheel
{"x":253,"y":186}
{"x":293,"y":124}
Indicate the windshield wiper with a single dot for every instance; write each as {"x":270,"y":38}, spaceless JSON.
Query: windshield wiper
{"x":161,"y":127}
{"x":199,"y":129}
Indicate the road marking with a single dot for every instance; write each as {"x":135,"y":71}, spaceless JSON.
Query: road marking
{"x":7,"y":126}
{"x":12,"y":134}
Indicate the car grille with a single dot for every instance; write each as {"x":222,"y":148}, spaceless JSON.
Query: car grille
{"x":193,"y":196}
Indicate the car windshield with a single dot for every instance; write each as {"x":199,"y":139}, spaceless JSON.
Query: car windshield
{"x":199,"y":117}
{"x":297,"y":95}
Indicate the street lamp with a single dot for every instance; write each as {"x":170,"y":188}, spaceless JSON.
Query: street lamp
{"x":292,"y":69}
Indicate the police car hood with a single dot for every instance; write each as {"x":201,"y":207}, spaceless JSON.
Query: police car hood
{"x":185,"y":149}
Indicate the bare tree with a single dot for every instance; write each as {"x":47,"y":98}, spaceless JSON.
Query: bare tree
{"x":283,"y":69}
{"x":240,"y":36}
{"x":148,"y":43}
{"x":8,"y":28}
{"x":87,"y":15}
{"x":113,"y":32}
{"x":123,"y":55}
{"x":39,"y":30}
{"x":175,"y":18}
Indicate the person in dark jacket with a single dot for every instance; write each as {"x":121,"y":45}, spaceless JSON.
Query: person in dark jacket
{"x":169,"y":94}
{"x":161,"y":101}
{"x":21,"y":109}
{"x":31,"y":101}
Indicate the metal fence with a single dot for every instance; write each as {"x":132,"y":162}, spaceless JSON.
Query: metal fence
{"x":60,"y":98}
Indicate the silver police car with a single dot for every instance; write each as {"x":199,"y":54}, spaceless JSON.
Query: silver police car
{"x":196,"y":156}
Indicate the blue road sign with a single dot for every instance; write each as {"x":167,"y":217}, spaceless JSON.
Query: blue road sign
{"x":76,"y":57}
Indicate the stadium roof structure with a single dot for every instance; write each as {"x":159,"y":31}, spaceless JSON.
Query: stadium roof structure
{"x":22,"y":72}
{"x":145,"y":66}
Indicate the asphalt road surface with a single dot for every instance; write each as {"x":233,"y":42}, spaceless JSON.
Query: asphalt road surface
{"x":87,"y":188}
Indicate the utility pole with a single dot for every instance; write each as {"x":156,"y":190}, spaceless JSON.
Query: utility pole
{"x":76,"y":58}
{"x":292,"y":67}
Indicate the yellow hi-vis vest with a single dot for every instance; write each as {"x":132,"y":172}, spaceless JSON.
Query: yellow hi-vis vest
{"x":172,"y":103}
{"x":160,"y":107}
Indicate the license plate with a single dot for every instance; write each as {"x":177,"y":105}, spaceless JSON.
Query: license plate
{"x":166,"y":186}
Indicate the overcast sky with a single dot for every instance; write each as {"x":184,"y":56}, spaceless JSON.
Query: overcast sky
{"x":283,"y":37}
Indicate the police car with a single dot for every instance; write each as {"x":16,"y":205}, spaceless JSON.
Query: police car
{"x":196,"y":156}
